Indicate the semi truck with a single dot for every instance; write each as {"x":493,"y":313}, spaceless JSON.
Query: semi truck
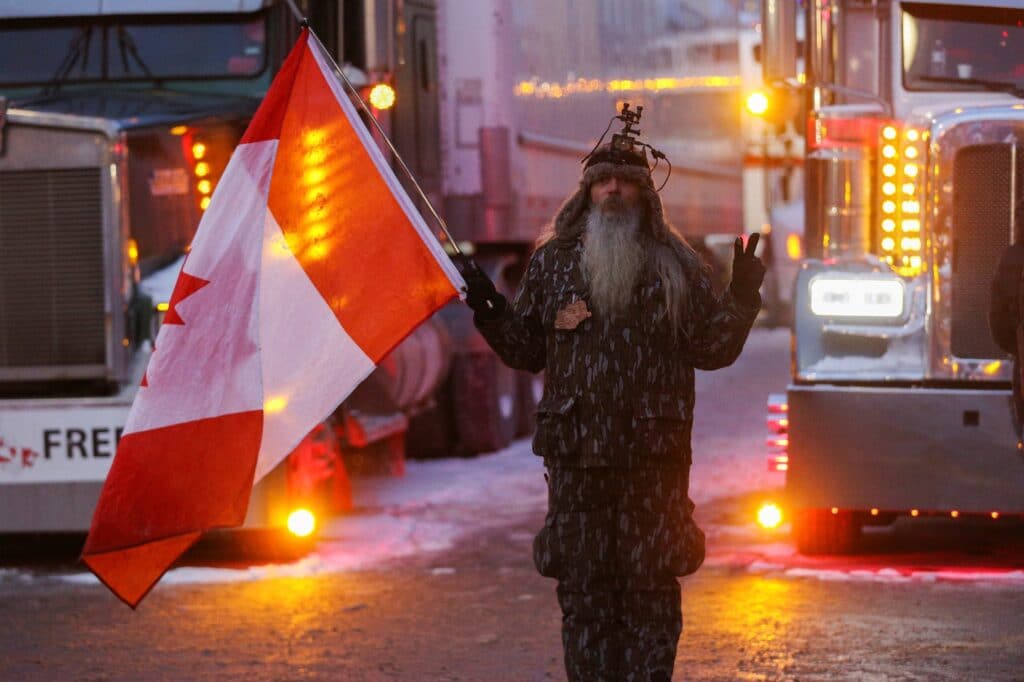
{"x":118,"y":118}
{"x":899,"y":403}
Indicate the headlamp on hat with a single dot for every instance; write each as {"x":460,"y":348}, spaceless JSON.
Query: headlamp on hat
{"x":626,"y":149}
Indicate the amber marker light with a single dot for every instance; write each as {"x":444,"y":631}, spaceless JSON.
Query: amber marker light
{"x":133,"y":252}
{"x":301,"y":523}
{"x":915,"y":512}
{"x":204,"y":186}
{"x":955,"y":514}
{"x":874,"y":512}
{"x":794,"y":247}
{"x":202,"y":169}
{"x":382,"y":96}
{"x":769,"y":515}
{"x":757,"y":103}
{"x":198,"y":150}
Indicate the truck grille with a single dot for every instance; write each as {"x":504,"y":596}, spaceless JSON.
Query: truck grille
{"x":982,"y":228}
{"x":51,"y":269}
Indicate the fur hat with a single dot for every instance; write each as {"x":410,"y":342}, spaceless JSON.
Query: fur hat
{"x":570,"y":221}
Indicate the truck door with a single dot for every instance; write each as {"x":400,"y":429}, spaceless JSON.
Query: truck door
{"x":416,"y":127}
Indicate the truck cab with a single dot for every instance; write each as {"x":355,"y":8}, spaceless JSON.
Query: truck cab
{"x":899,"y":403}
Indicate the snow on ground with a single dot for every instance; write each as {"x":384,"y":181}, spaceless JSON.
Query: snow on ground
{"x":434,"y":505}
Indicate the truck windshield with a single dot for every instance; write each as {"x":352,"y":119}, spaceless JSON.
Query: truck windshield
{"x":91,"y":49}
{"x":948,"y":47}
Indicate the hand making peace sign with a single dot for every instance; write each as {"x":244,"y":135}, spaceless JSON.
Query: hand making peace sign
{"x":747,"y":270}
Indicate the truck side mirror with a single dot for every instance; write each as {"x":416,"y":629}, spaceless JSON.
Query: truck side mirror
{"x":778,"y":26}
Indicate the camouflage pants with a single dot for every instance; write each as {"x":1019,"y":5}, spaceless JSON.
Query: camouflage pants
{"x":615,"y":539}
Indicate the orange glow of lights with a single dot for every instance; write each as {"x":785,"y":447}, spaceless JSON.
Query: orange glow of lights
{"x":835,"y":510}
{"x":314,"y":176}
{"x":889,"y":188}
{"x":888,"y":151}
{"x":911,"y":225}
{"x":794,"y":249}
{"x":910,"y":170}
{"x":318,"y":251}
{"x":316,"y":156}
{"x":910,"y":152}
{"x":382,"y":96}
{"x":301,"y":523}
{"x":198,"y":150}
{"x":179,"y":130}
{"x":889,"y":133}
{"x":915,"y":512}
{"x":913,"y":135}
{"x":757,"y":103}
{"x":909,"y":188}
{"x":314,"y":138}
{"x":163,"y":307}
{"x":888,"y":225}
{"x":915,"y":262}
{"x":204,"y":186}
{"x":889,"y":206}
{"x":133,"y":252}
{"x":769,"y":515}
{"x":889,"y":170}
{"x":994,"y":515}
{"x":911,"y":207}
{"x":955,"y":514}
{"x":202,"y":169}
{"x":888,"y":243}
{"x":204,"y":203}
{"x":874,"y":512}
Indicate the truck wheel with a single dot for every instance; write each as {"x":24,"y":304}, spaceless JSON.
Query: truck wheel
{"x":483,"y":401}
{"x":819,"y":531}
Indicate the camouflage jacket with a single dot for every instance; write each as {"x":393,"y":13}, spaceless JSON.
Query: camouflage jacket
{"x":615,"y":393}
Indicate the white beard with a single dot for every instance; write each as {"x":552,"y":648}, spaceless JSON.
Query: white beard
{"x":613,"y":257}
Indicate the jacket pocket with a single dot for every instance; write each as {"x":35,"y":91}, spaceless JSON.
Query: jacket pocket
{"x":661,"y":543}
{"x":663,"y":428}
{"x":575,"y":546}
{"x":556,"y":427}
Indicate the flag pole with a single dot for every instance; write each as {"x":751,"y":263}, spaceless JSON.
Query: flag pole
{"x":338,"y":71}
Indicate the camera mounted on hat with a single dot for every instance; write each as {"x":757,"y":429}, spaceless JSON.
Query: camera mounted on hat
{"x":626,"y":149}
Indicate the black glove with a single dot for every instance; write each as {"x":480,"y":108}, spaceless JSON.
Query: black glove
{"x":481,"y":296}
{"x":747,"y":271}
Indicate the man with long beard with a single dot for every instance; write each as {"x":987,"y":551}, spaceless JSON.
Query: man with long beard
{"x":618,"y":310}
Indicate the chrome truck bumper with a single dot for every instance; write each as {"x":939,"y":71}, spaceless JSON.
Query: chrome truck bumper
{"x":900,"y":449}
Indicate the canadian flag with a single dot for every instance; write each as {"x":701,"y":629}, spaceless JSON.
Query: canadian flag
{"x":309,"y":265}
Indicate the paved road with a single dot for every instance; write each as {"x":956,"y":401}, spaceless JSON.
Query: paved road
{"x":477,"y":611}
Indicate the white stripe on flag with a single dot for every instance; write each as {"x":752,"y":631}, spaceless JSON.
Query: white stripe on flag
{"x":310,"y":364}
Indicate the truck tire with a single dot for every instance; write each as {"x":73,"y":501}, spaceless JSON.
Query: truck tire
{"x":483,"y":401}
{"x":819,"y":531}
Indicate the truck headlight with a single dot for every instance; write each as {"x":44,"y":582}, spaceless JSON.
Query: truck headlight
{"x":859,"y":297}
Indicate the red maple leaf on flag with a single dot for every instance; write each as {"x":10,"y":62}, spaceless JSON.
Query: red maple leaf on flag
{"x":185,"y":286}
